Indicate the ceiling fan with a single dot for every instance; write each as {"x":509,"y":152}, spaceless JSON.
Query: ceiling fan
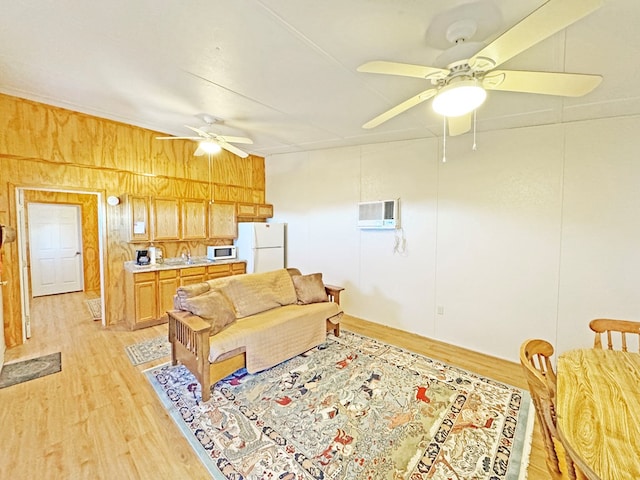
{"x":461,"y":87}
{"x":209,"y":142}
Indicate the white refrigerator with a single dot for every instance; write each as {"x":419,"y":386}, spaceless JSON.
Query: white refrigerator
{"x":261,"y":245}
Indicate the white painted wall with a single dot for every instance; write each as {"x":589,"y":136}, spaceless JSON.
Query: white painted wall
{"x":532,"y":235}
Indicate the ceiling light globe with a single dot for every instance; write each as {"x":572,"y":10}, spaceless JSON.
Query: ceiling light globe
{"x":210,"y":147}
{"x":459,"y":98}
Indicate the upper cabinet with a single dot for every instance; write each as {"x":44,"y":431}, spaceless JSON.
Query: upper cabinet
{"x":255,"y":210}
{"x":138,"y":211}
{"x":194,"y":219}
{"x":166,"y":219}
{"x":265,"y":210}
{"x":173,"y":219}
{"x":223,"y":222}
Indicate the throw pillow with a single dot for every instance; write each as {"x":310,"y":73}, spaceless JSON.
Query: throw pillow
{"x":310,"y":288}
{"x":212,"y":307}
{"x":189,"y":291}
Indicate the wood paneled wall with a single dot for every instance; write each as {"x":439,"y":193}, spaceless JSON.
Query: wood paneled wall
{"x":48,"y":147}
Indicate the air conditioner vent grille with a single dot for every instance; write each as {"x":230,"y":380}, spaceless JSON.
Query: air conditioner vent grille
{"x":379,"y":214}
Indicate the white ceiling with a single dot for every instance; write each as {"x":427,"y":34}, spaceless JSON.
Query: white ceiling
{"x":283,"y":72}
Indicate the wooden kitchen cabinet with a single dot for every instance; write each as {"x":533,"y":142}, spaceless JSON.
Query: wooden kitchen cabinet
{"x":225,"y":269}
{"x":166,"y":219}
{"x":223,"y":221}
{"x":191,"y":275}
{"x":149,"y":294}
{"x":238,"y":268}
{"x":194,"y":219}
{"x":142,"y":299}
{"x":264,"y":210}
{"x":247,"y":210}
{"x":138,"y":218}
{"x":255,"y":210}
{"x":168,"y":283}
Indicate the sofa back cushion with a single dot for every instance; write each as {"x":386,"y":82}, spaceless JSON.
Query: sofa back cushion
{"x":257,"y":292}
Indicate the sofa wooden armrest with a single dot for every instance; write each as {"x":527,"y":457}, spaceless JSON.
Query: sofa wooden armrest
{"x":333,"y":292}
{"x":189,"y":337}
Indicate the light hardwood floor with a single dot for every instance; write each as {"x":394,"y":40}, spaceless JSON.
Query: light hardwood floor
{"x":99,"y":418}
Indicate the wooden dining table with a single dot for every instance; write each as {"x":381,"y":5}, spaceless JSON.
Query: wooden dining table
{"x":598,"y":410}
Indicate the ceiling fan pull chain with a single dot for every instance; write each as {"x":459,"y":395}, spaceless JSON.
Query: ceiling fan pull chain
{"x":474,"y":131}
{"x":444,"y":139}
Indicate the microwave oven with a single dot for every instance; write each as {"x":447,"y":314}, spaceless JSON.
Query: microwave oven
{"x":221,"y":252}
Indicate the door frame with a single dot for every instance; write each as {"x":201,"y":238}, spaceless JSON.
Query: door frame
{"x":25,"y":293}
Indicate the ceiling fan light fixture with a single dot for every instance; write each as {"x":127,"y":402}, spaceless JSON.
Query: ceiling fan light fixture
{"x":208,"y":146}
{"x":459,"y":98}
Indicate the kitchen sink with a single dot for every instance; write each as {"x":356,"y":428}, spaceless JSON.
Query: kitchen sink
{"x":178,"y":261}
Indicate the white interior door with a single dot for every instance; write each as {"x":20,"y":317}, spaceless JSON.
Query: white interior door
{"x":55,"y":248}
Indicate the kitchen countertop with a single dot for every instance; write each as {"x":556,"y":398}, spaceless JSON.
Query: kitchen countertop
{"x":177,"y":263}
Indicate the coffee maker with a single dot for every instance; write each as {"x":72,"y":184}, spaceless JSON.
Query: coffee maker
{"x":142,"y":257}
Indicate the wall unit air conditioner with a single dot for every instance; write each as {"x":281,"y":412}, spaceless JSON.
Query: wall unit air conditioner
{"x":380,"y":214}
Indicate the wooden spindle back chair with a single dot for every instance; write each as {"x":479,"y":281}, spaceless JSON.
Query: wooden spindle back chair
{"x":615,"y":329}
{"x":535,"y":358}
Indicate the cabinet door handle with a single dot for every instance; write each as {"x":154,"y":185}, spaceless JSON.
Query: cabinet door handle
{"x":2,"y":284}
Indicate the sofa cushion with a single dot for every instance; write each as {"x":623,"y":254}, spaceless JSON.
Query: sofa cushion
{"x":212,"y":307}
{"x":310,"y":288}
{"x":256,"y":292}
{"x":275,"y":335}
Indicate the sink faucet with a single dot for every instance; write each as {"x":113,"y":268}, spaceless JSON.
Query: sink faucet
{"x":186,"y":256}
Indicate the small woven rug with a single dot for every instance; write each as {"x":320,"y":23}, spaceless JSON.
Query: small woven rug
{"x":149,"y":350}
{"x":353,"y":408}
{"x":25,"y":370}
{"x":95,"y":308}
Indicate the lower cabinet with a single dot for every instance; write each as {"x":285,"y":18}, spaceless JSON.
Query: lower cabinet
{"x":191,"y":275}
{"x":168,"y":283}
{"x":150,"y":294}
{"x":144,"y":309}
{"x":226,"y":269}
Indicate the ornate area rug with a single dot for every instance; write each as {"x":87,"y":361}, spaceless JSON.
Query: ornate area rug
{"x":353,"y":408}
{"x":149,"y":350}
{"x":25,"y":370}
{"x":95,"y":308}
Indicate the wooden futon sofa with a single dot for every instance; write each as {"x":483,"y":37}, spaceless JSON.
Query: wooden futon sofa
{"x":254,"y":320}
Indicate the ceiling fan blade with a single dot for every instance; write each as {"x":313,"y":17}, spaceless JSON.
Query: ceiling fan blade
{"x":398,"y":109}
{"x":402,"y":69}
{"x":546,"y":83}
{"x":551,"y":17}
{"x":200,"y":132}
{"x":227,"y":138}
{"x":232,"y":149}
{"x":178,"y":138}
{"x":459,"y":125}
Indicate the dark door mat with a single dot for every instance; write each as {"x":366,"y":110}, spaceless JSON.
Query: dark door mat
{"x":25,"y":370}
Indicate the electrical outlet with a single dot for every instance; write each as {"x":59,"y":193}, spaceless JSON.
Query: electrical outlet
{"x":440,"y":309}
